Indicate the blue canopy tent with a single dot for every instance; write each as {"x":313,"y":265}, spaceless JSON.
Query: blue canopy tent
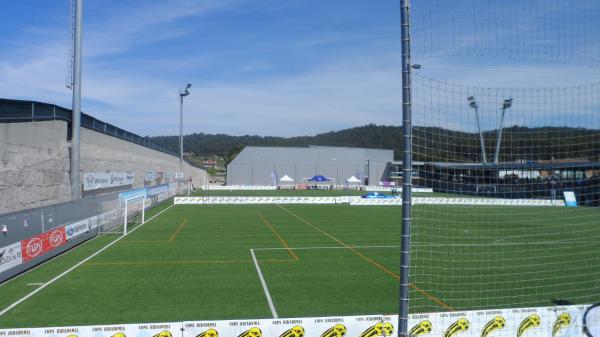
{"x":318,"y":181}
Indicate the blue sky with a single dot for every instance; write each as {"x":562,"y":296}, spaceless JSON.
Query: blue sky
{"x":267,"y":67}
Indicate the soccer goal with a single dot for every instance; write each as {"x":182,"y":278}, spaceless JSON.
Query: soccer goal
{"x":131,"y":212}
{"x":134,"y":212}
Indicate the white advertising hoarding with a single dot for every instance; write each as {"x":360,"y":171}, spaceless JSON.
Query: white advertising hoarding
{"x":98,"y":180}
{"x":81,"y":227}
{"x":10,"y":256}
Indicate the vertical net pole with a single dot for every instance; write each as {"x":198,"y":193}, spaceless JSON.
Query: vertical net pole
{"x":143,"y":210}
{"x":406,"y":168}
{"x":125,"y":219}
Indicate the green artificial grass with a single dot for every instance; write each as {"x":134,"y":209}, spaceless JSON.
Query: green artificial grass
{"x":194,"y":262}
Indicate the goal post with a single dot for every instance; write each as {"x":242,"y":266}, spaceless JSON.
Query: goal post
{"x":134,"y":211}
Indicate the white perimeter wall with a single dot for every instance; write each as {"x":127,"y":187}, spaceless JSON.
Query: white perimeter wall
{"x":34,"y":162}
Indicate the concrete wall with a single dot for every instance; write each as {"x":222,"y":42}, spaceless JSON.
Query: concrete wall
{"x":100,"y":152}
{"x":34,"y":170}
{"x":34,"y":162}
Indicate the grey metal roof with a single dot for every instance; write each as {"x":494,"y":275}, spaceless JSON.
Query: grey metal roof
{"x":517,"y":166}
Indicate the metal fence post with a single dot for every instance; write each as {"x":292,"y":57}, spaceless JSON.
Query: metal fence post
{"x":406,"y":169}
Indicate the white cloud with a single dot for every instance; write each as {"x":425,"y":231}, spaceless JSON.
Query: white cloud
{"x":362,"y":86}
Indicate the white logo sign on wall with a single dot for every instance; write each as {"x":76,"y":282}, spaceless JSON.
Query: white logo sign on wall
{"x":10,"y":256}
{"x":97,"y":180}
{"x":81,"y":227}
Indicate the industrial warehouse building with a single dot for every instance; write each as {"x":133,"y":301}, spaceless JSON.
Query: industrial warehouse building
{"x":266,"y":165}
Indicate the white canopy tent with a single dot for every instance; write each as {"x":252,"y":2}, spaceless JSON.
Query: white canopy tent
{"x":286,"y":181}
{"x":353,"y":181}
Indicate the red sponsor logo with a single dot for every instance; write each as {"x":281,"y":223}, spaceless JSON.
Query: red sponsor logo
{"x":42,"y":243}
{"x":34,"y":247}
{"x":56,"y":238}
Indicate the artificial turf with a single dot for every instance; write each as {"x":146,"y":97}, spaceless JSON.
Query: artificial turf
{"x":194,"y":262}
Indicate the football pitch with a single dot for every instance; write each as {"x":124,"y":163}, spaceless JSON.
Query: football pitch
{"x":201,"y":262}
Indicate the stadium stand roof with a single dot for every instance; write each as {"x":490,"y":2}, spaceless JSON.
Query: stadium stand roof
{"x":517,"y":166}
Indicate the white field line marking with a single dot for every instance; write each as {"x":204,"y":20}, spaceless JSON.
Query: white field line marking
{"x":264,"y":285}
{"x":442,"y":245}
{"x":26,"y":297}
{"x":35,"y":284}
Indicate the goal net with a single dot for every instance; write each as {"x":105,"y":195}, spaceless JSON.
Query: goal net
{"x":132,"y":212}
{"x":506,"y":122}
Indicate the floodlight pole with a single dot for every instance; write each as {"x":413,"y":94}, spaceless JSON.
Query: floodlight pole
{"x":473,"y":105}
{"x":507,"y":104}
{"x":182,"y":94}
{"x":76,"y":108}
{"x":406,"y":169}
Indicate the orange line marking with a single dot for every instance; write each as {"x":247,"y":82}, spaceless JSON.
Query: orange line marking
{"x":144,"y":241}
{"x":431,"y":297}
{"x":283,"y":242}
{"x":368,"y":259}
{"x":183,"y":223}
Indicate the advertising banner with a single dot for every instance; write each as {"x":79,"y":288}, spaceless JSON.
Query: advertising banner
{"x":366,"y":326}
{"x":81,"y":227}
{"x":556,"y":321}
{"x":570,"y":199}
{"x":155,"y":190}
{"x":41,"y":244}
{"x":149,"y":176}
{"x":121,"y":330}
{"x":138,"y":192}
{"x":98,"y":180}
{"x":10,"y":256}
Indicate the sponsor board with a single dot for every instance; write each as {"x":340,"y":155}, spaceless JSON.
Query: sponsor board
{"x":149,"y":176}
{"x":10,"y":256}
{"x":98,"y":180}
{"x":520,"y":322}
{"x":356,"y":326}
{"x":487,"y":202}
{"x":300,"y":186}
{"x":155,"y":190}
{"x":41,"y":244}
{"x":398,"y":189}
{"x":570,"y":199}
{"x":242,"y":187}
{"x":257,"y":200}
{"x":118,"y":330}
{"x":138,"y":192}
{"x":81,"y":227}
{"x":358,"y":201}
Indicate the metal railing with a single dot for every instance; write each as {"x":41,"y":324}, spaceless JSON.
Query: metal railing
{"x":18,"y":111}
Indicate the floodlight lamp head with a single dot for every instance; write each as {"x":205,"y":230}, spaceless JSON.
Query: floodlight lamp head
{"x":416,"y":66}
{"x":507,"y":103}
{"x":185,"y":91}
{"x":472,"y":102}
